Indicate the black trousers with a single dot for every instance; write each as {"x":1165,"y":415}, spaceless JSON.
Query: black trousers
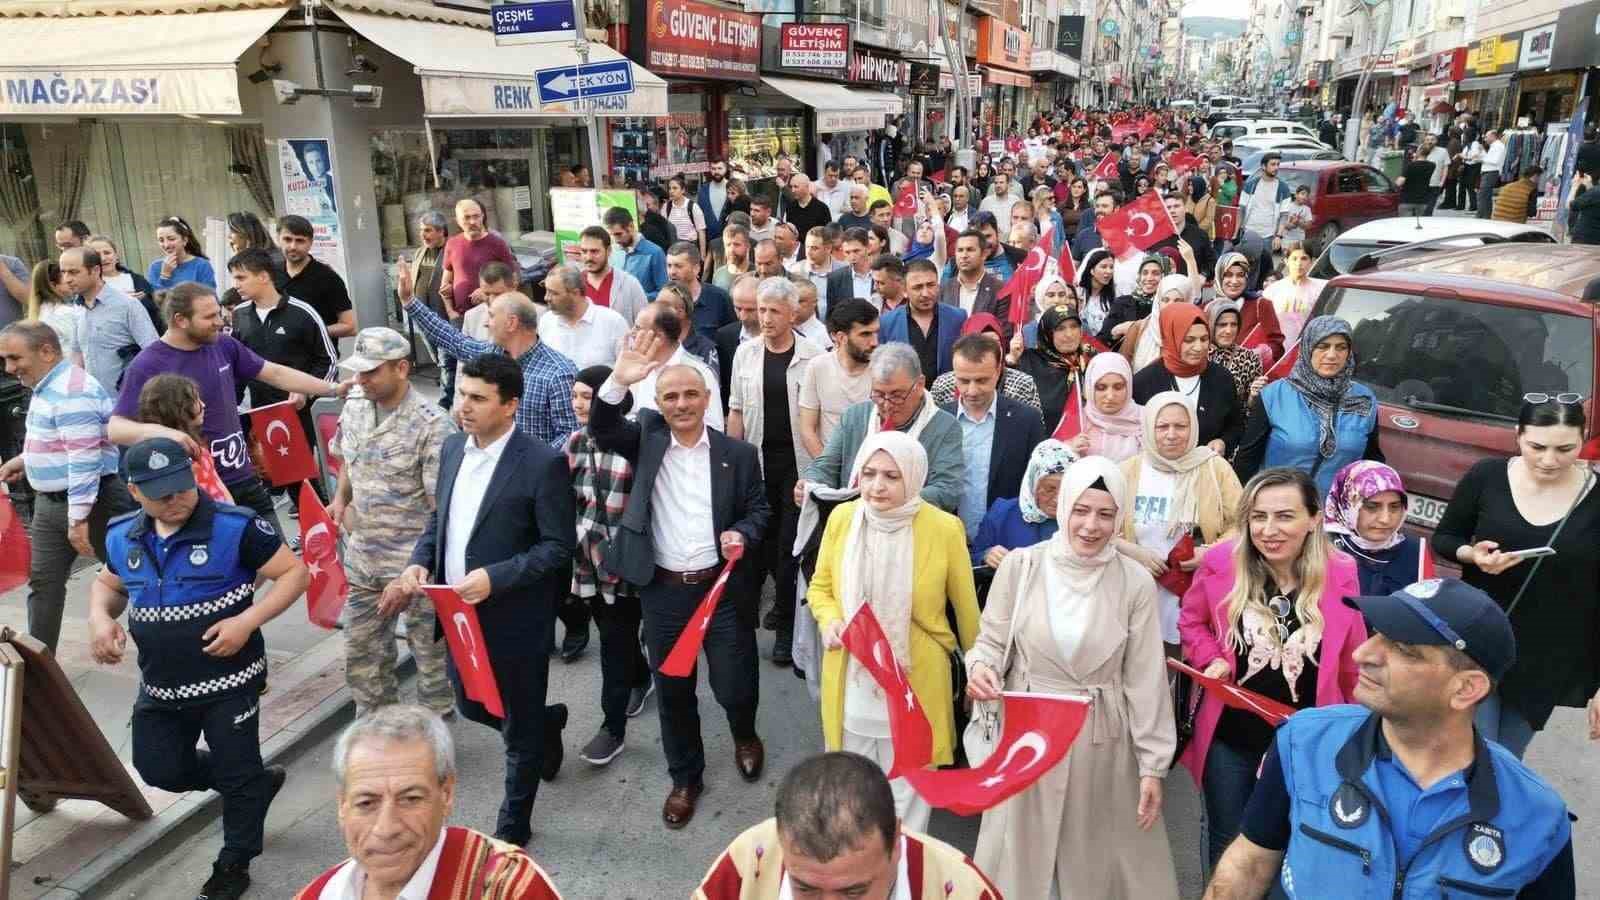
{"x":730,"y":649}
{"x":622,"y":663}
{"x":165,"y":754}
{"x":777,"y":550}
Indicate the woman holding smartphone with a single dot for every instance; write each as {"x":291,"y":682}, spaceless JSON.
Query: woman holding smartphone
{"x":1542,"y":497}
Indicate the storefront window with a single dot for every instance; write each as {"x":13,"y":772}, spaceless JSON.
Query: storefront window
{"x":658,"y":147}
{"x":756,"y":138}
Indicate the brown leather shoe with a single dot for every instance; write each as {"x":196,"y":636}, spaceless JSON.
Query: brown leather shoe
{"x":750,"y":756}
{"x":679,"y":808}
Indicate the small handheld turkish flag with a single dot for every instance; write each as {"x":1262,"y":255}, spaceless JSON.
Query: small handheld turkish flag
{"x":1255,"y":337}
{"x":1071,"y":424}
{"x":1271,"y":711}
{"x":1106,"y":168}
{"x":285,"y":454}
{"x":680,"y":661}
{"x":1175,"y":579}
{"x":15,"y":549}
{"x":905,"y":201}
{"x":1039,"y":730}
{"x":1139,"y":225}
{"x":1066,"y":266}
{"x":1227,"y":223}
{"x":1285,"y":365}
{"x":909,"y":731}
{"x":1018,"y":289}
{"x":1424,"y":561}
{"x":1183,"y":161}
{"x":465,"y":638}
{"x":319,"y":547}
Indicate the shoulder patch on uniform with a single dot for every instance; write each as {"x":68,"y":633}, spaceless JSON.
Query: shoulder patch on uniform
{"x":266,"y":527}
{"x":1485,"y":846}
{"x":1349,"y":806}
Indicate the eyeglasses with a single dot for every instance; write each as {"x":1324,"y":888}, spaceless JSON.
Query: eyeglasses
{"x":1568,"y":398}
{"x":893,"y":398}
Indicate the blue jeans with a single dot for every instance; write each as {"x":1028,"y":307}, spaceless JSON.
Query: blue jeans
{"x":1504,"y":724}
{"x":1230,"y":776}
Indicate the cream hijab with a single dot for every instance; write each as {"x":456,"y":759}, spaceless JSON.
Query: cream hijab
{"x":1186,"y":469}
{"x":1073,"y":592}
{"x":1148,"y":349}
{"x":879,"y":561}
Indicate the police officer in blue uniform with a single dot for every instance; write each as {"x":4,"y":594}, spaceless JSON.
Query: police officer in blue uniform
{"x":185,"y":568}
{"x":1400,"y":797}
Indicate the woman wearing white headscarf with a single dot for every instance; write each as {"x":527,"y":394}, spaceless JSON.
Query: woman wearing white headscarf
{"x":1141,"y":346}
{"x":1085,"y":622}
{"x":1175,"y":487}
{"x":906,"y":559}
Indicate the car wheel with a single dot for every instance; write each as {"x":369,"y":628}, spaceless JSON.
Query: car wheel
{"x":1326,"y":235}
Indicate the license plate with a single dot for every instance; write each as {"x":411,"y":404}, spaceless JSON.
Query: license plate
{"x":1425,"y":511}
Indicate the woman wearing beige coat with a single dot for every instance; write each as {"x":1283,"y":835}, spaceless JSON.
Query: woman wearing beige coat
{"x":1086,"y":623}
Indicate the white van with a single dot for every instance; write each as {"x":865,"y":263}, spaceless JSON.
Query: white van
{"x":1233,"y":129}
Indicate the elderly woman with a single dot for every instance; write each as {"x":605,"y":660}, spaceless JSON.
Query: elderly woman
{"x":1365,"y":509}
{"x":1141,"y":344}
{"x":1030,"y":517}
{"x":1185,"y":366}
{"x":1135,"y":306}
{"x":907,"y":560}
{"x":1074,"y":615}
{"x":1266,"y":611}
{"x":1176,"y":487}
{"x":1232,"y":276}
{"x":1319,"y":418}
{"x":1244,"y":365}
{"x":1111,"y":423}
{"x":1058,"y":361}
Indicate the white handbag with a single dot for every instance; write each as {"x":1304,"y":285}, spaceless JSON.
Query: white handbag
{"x":988,"y":720}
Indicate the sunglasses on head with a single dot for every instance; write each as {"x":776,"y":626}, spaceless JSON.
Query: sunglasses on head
{"x":1568,"y":398}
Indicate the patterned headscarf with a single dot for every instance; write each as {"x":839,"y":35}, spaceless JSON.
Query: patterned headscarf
{"x":1355,"y":484}
{"x":1050,"y":457}
{"x":1325,"y":395}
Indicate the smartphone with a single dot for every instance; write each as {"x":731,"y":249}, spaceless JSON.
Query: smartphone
{"x":1532,"y":552}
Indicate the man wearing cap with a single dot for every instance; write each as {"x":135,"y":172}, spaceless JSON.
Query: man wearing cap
{"x":1404,"y":798}
{"x":389,"y":439}
{"x":185,"y":567}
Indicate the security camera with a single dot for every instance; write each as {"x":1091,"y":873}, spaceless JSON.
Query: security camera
{"x":360,"y":65}
{"x":369,"y":96}
{"x":286,"y":92}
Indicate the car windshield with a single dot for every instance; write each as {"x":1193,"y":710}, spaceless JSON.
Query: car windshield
{"x":1343,"y":254}
{"x":1224,"y":132}
{"x":1427,"y":352}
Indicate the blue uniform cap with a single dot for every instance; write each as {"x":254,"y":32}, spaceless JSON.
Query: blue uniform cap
{"x":160,"y":467}
{"x":1445,"y":612}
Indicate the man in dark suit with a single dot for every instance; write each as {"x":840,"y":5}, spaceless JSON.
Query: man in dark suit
{"x":746,"y":327}
{"x":922,"y":321}
{"x":973,"y":288}
{"x":502,"y":535}
{"x":998,"y":434}
{"x":697,"y":499}
{"x":853,"y":281}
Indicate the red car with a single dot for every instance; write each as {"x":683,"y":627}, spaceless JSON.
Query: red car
{"x":1451,"y":341}
{"x":1343,"y":195}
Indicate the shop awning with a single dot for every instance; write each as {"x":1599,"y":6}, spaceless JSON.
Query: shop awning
{"x":1006,"y":78}
{"x":180,"y":64}
{"x":464,"y":74}
{"x":837,"y":107}
{"x":891,"y":104}
{"x":1487,"y":83}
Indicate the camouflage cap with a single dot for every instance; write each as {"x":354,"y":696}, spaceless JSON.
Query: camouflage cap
{"x":374,"y":347}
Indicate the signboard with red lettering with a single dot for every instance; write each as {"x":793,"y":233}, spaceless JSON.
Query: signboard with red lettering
{"x":686,"y":37}
{"x":804,"y":45}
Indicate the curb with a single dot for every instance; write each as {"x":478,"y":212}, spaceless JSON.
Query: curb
{"x":102,"y":873}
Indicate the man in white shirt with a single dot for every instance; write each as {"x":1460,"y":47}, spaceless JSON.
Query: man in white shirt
{"x":1440,"y":157}
{"x":807,"y":324}
{"x":832,"y":191}
{"x":663,"y":321}
{"x":998,"y":202}
{"x":839,"y":380}
{"x":818,"y":263}
{"x":583,"y":332}
{"x":854,"y":279}
{"x":1489,"y":175}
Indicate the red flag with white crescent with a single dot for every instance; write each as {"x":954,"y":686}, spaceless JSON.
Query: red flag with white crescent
{"x":1071,"y":424}
{"x":864,"y":640}
{"x":286,"y":455}
{"x":1106,"y":168}
{"x":16,"y":550}
{"x":680,"y":661}
{"x":1138,"y":225}
{"x":1227,"y":223}
{"x":1066,"y":266}
{"x":1019,"y":287}
{"x":1255,"y":337}
{"x":464,"y":636}
{"x":1039,"y":730}
{"x":1285,"y":364}
{"x":905,"y":201}
{"x":319,"y":549}
{"x":1269,"y":710}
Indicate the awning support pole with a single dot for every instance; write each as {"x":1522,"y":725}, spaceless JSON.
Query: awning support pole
{"x":591,"y":122}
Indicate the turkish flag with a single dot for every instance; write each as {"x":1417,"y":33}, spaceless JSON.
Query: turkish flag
{"x":905,"y":202}
{"x":1283,"y":366}
{"x":1066,"y":266}
{"x":1255,"y":337}
{"x":1227,"y":222}
{"x":864,"y":640}
{"x":1039,"y":730}
{"x":319,"y":548}
{"x":465,"y":638}
{"x":1270,"y":710}
{"x":680,"y":662}
{"x":285,"y":454}
{"x":1424,"y":561}
{"x":15,"y":549}
{"x":1175,"y":579}
{"x":1139,"y":225}
{"x":1106,"y":168}
{"x":1019,"y":287}
{"x":1071,"y":424}
{"x":207,"y":479}
{"x":1183,"y":161}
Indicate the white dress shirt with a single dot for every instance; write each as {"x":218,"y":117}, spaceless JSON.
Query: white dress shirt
{"x":350,"y":881}
{"x":681,"y":525}
{"x":472,"y":482}
{"x":1495,"y":158}
{"x":644,"y":393}
{"x":592,"y":341}
{"x":815,"y":331}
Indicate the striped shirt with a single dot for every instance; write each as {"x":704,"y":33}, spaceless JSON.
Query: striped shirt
{"x":67,"y":448}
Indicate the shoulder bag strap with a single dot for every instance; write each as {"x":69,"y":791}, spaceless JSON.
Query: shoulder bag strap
{"x":1588,"y":482}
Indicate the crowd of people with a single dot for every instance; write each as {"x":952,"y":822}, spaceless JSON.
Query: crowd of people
{"x":838,"y":389}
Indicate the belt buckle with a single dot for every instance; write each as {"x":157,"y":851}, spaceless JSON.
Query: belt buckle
{"x":692,"y":578}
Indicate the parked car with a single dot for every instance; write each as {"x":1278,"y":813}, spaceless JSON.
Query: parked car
{"x":1250,"y":157}
{"x":1423,"y":234}
{"x":1234,"y":129}
{"x":1451,"y":341}
{"x":1343,"y":195}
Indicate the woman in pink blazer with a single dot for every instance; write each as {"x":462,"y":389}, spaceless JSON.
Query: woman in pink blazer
{"x":1268,"y":612}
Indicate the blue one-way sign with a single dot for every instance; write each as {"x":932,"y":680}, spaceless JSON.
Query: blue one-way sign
{"x":535,"y":21}
{"x":598,"y":79}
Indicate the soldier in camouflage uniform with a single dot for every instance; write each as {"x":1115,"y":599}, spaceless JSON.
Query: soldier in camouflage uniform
{"x":389,"y":441}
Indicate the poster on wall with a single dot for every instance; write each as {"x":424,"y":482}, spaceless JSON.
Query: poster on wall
{"x":574,"y":209}
{"x":311,"y":189}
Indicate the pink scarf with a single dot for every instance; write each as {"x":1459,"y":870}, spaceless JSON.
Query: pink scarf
{"x":1116,"y":436}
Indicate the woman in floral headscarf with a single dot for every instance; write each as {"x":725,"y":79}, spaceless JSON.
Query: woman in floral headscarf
{"x":1365,"y":509}
{"x":1030,"y":517}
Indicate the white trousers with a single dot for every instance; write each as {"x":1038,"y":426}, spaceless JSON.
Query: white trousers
{"x":908,"y":804}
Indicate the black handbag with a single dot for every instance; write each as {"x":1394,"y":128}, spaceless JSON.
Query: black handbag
{"x":1185,"y":709}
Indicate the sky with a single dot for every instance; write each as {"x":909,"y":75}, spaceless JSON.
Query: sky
{"x":1227,"y":9}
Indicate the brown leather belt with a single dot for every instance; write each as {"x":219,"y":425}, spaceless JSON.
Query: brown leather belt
{"x":687,"y":578}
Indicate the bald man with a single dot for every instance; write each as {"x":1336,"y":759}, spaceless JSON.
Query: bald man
{"x":466,"y":253}
{"x":803,"y":210}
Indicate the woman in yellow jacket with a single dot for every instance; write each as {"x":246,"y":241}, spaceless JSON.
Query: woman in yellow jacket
{"x":906,"y":559}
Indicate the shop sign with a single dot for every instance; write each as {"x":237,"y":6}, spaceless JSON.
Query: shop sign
{"x":834,"y":121}
{"x":875,"y":69}
{"x":925,"y":80}
{"x":1004,"y":45}
{"x":1564,"y":81}
{"x":452,"y":95}
{"x":311,"y":189}
{"x":574,"y":209}
{"x":808,"y":46}
{"x":1450,"y":65}
{"x":1495,"y":53}
{"x":209,"y":92}
{"x":1536,"y":46}
{"x":1577,"y":37}
{"x":687,"y":37}
{"x":1069,"y":36}
{"x":947,"y":82}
